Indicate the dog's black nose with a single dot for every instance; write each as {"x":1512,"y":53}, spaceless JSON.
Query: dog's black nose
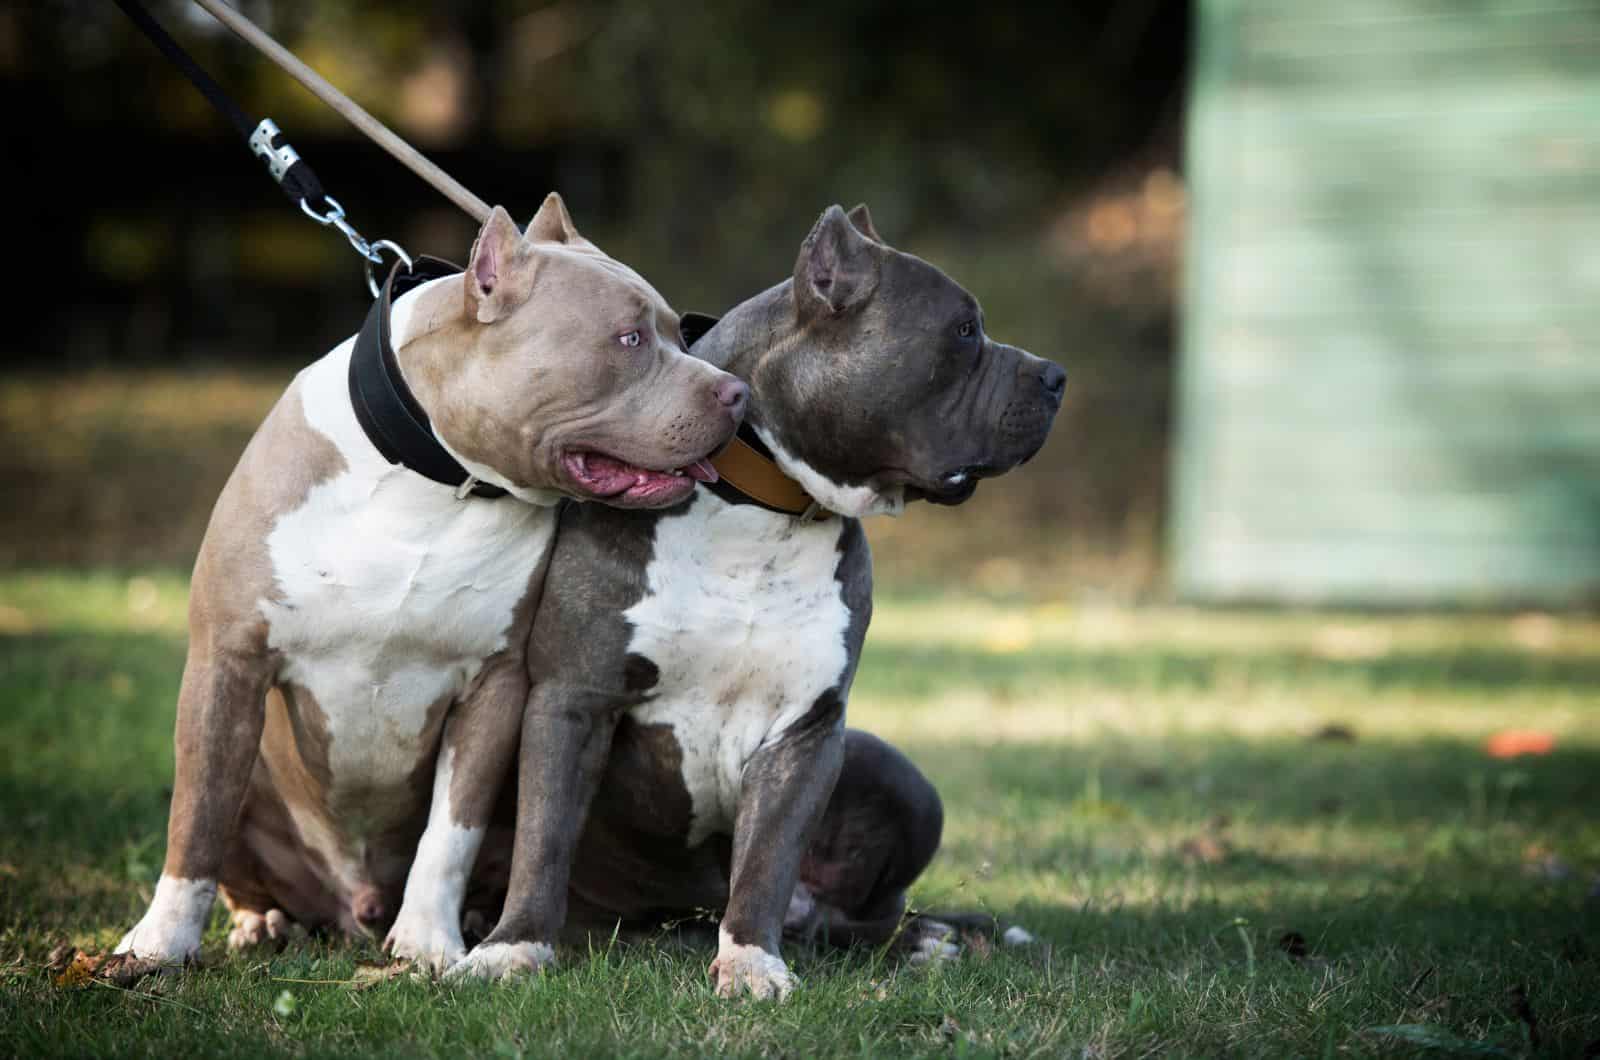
{"x":1054,"y":379}
{"x":733,"y":394}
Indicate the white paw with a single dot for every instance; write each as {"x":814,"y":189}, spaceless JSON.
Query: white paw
{"x":169,"y":932}
{"x":1017,"y":936}
{"x":433,"y":943}
{"x":252,"y":929}
{"x":739,"y":969}
{"x":500,"y":960}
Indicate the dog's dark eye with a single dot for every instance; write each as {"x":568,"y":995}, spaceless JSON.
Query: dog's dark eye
{"x":967,"y":329}
{"x":631,"y":338}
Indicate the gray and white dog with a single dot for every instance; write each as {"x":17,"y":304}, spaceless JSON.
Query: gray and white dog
{"x":684,"y":745}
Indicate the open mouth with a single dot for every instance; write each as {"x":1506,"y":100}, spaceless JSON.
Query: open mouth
{"x":607,"y":478}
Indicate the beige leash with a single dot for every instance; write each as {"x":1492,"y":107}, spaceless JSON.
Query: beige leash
{"x":369,"y":126}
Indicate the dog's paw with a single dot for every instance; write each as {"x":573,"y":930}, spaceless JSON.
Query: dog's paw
{"x":253,"y":929}
{"x":169,"y":932}
{"x":501,"y":960}
{"x":429,"y":942}
{"x":931,"y":942}
{"x":750,"y":969}
{"x":155,"y":944}
{"x":1017,"y":935}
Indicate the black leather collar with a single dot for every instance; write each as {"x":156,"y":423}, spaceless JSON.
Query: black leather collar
{"x":388,"y":412}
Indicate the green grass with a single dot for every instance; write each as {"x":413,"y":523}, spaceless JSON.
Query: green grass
{"x":1145,"y":790}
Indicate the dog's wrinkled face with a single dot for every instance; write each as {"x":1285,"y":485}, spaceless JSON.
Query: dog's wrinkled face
{"x":565,"y":371}
{"x":919,"y":402}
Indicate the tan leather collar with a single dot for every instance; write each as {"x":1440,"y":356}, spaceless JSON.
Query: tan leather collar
{"x":756,"y":475}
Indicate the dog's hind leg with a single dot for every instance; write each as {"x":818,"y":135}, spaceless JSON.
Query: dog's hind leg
{"x":879,"y":832}
{"x":881,"y":827}
{"x":268,"y":882}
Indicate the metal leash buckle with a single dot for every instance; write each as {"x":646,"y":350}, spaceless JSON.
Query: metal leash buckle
{"x":371,"y":253}
{"x":278,"y":159}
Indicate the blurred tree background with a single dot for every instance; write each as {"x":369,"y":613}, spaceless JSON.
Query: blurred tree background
{"x":169,"y":291}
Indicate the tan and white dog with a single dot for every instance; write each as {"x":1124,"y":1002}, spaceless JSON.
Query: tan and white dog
{"x":355,"y":680}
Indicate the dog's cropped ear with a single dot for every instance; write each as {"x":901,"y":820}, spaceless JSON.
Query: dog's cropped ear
{"x":552,"y":224}
{"x":499,"y":272}
{"x":837,"y":267}
{"x":862,"y":219}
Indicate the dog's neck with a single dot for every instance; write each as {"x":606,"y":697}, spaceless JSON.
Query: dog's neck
{"x":426,"y":329}
{"x":746,"y":342}
{"x":748,"y":335}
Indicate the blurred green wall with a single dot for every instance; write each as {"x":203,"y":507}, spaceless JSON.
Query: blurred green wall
{"x":1389,"y":389}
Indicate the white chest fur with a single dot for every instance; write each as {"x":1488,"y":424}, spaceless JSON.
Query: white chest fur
{"x":392,"y":592}
{"x":746,"y":624}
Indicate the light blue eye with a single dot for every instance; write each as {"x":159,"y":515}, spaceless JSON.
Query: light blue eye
{"x":632,"y":338}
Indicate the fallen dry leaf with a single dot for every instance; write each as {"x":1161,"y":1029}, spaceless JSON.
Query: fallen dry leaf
{"x":60,"y":958}
{"x":1205,"y":849}
{"x":1511,"y":743}
{"x":77,"y":970}
{"x":370,"y":975}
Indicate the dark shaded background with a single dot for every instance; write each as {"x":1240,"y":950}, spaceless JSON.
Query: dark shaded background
{"x":1031,"y":150}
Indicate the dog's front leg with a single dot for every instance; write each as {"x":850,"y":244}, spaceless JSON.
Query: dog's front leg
{"x":221,"y":709}
{"x":480,"y":738}
{"x":784,"y":791}
{"x":566,"y":738}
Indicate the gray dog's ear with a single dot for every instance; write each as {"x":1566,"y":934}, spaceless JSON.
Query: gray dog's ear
{"x":837,"y":267}
{"x":862,"y":219}
{"x":498,"y":271}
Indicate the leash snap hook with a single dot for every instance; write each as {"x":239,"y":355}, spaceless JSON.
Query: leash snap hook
{"x":335,"y":218}
{"x":371,"y":253}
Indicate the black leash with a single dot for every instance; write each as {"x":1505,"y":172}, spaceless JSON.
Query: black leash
{"x":291,"y":172}
{"x":389,"y":414}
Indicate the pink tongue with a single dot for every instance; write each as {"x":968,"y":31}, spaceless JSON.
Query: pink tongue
{"x":608,"y":476}
{"x":701,"y":471}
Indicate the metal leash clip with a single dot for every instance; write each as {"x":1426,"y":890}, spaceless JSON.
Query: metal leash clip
{"x":372,"y":253}
{"x":280,"y":158}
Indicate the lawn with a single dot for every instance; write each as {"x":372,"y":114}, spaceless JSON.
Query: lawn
{"x":1233,"y":834}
